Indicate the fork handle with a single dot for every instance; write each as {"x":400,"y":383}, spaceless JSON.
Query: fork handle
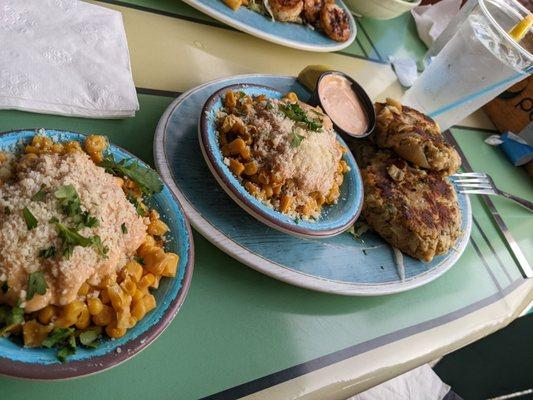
{"x":523,"y":202}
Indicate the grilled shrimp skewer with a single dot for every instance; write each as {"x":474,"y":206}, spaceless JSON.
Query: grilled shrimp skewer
{"x":335,"y":22}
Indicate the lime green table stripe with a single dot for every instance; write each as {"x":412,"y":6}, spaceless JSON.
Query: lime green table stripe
{"x":237,"y":325}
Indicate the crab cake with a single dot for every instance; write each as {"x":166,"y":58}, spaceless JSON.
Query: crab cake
{"x":415,"y":210}
{"x":415,"y":137}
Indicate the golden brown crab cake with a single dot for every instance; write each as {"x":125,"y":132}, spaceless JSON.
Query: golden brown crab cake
{"x":415,"y":210}
{"x":415,"y":137}
{"x":286,"y":10}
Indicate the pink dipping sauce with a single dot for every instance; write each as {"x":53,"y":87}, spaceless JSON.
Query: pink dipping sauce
{"x":342,"y":105}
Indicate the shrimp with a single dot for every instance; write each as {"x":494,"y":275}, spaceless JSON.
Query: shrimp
{"x":335,"y":22}
{"x":286,"y":10}
{"x":312,"y":10}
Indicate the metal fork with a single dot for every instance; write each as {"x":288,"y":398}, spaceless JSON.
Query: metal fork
{"x":481,"y":183}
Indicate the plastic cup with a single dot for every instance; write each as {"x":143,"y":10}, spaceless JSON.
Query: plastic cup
{"x":479,"y":61}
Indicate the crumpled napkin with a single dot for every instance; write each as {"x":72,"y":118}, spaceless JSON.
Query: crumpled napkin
{"x":419,"y":383}
{"x":64,"y":57}
{"x":431,"y":20}
{"x":405,"y":69}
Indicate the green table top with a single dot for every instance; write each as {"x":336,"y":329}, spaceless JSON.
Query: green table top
{"x":240,"y":332}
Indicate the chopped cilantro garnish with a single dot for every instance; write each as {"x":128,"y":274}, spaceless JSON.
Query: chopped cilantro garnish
{"x":69,"y":238}
{"x":140,"y":260}
{"x":10,"y":316}
{"x":97,"y":243}
{"x":65,"y":351}
{"x":49,"y":252}
{"x":147,"y":179}
{"x":17,"y":315}
{"x":64,"y":340}
{"x":70,"y":205}
{"x":57,"y":336}
{"x":40,"y":195}
{"x":137,"y":204}
{"x":31,"y":221}
{"x":124,"y":228}
{"x":295,"y":112}
{"x":88,"y":338}
{"x":296,"y":139}
{"x":36,"y":284}
{"x":7,"y":210}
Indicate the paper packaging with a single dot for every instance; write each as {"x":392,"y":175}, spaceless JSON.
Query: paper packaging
{"x":64,"y":57}
{"x":431,"y":20}
{"x":512,"y":111}
{"x":515,"y":147}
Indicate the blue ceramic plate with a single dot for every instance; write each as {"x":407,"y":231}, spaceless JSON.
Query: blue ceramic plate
{"x":287,"y":34}
{"x":339,"y":264}
{"x":42,"y":363}
{"x":333,"y":220}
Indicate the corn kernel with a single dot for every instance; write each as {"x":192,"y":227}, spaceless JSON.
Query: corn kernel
{"x":46,"y":314}
{"x":157,"y":228}
{"x":84,"y":289}
{"x":115,"y":332}
{"x":105,"y":317}
{"x":69,"y":314}
{"x":138,"y":310}
{"x":170,"y":265}
{"x":146,"y":281}
{"x":149,"y":302}
{"x":95,"y":145}
{"x":95,"y":306}
{"x":134,"y":270}
{"x":34,"y":333}
{"x":84,"y":319}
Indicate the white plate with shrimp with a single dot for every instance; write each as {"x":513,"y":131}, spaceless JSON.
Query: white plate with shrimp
{"x":312,"y":25}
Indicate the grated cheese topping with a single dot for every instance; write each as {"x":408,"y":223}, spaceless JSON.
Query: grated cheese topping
{"x":312,"y":163}
{"x":99,"y":194}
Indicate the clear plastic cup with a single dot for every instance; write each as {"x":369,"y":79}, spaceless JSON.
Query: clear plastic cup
{"x":479,"y":61}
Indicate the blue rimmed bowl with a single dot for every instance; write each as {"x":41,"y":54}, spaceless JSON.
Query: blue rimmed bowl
{"x":334,"y":219}
{"x":41,"y":363}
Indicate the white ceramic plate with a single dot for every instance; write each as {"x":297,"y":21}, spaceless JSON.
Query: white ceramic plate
{"x":339,"y":264}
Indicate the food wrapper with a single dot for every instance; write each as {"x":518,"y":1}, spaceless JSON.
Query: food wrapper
{"x":516,"y":148}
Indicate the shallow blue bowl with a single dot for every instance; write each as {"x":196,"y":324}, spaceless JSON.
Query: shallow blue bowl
{"x":334,"y":219}
{"x":41,"y":363}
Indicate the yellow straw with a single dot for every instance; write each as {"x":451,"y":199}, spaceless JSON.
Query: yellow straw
{"x":520,"y":29}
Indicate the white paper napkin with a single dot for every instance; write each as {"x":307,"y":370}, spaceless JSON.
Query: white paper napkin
{"x":431,"y":20}
{"x":418,"y":384}
{"x":64,"y":57}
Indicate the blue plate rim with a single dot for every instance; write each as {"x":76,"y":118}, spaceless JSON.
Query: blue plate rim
{"x":254,"y":207}
{"x":273,"y":269}
{"x":94,"y":365}
{"x":234,"y":23}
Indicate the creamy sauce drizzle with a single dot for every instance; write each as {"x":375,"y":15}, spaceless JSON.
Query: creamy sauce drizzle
{"x":342,"y":105}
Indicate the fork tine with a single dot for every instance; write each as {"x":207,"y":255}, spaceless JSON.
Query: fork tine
{"x":477,"y":191}
{"x":470,"y":174}
{"x":471,"y":180}
{"x":474,"y":186}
